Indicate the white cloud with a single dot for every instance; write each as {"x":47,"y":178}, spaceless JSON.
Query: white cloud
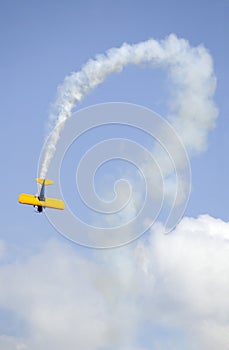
{"x":52,"y":292}
{"x":2,"y":249}
{"x":11,"y":343}
{"x":175,"y":285}
{"x":191,"y":282}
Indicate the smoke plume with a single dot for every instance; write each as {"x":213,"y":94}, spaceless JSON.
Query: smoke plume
{"x":192,"y":111}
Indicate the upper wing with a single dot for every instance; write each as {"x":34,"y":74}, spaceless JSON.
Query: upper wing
{"x":28,"y":199}
{"x":48,"y":202}
{"x":53,"y":203}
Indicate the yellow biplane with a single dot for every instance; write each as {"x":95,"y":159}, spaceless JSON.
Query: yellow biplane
{"x":40,"y":201}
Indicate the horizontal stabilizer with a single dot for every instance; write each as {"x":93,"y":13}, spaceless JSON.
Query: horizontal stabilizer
{"x":47,"y":203}
{"x":44,"y":181}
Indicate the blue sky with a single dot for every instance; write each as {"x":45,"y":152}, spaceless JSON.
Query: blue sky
{"x":41,"y":43}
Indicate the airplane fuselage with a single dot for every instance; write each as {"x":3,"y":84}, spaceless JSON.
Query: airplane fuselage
{"x":39,"y":209}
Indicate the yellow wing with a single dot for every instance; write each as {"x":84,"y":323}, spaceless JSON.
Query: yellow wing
{"x":47,"y":203}
{"x":54,"y":203}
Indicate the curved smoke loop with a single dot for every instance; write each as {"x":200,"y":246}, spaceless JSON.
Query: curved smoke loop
{"x":192,"y":112}
{"x":191,"y":70}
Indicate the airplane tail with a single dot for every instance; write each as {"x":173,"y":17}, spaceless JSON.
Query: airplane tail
{"x":44,"y":181}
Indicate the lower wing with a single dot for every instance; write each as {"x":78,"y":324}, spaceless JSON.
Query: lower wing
{"x":47,"y":203}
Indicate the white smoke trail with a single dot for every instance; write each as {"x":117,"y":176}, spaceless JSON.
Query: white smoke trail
{"x":192,"y":110}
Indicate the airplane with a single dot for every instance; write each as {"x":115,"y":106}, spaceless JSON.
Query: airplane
{"x":40,"y":201}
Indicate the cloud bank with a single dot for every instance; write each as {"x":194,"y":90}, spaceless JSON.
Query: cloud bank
{"x":163,"y":291}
